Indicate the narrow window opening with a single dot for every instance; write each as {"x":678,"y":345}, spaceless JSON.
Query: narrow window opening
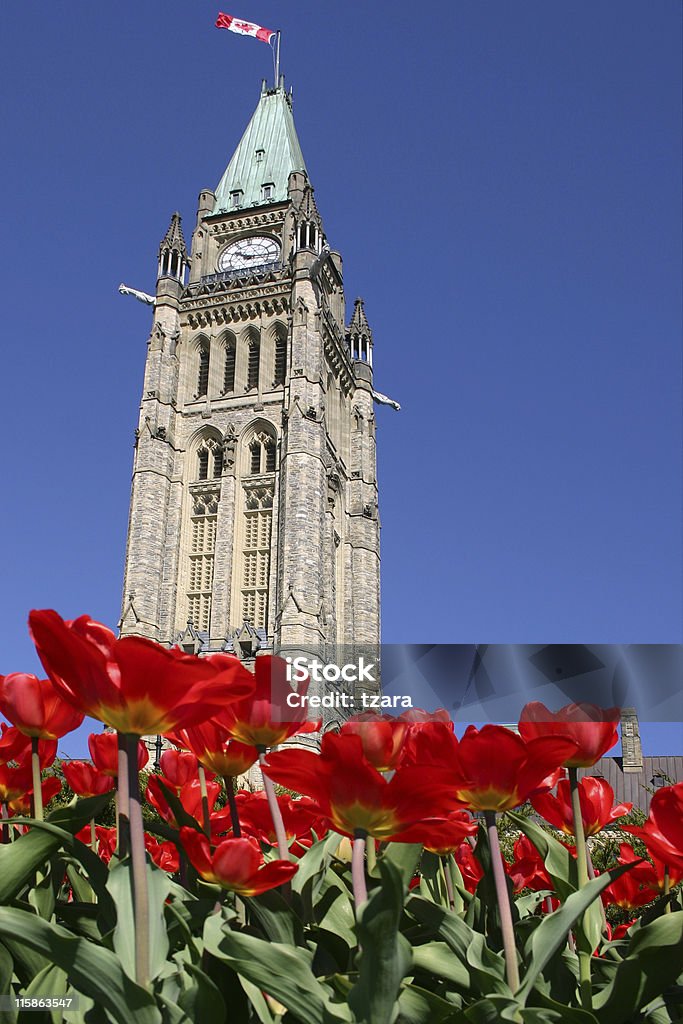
{"x":270,"y":457}
{"x":253,"y":365}
{"x":280,"y":359}
{"x":229,"y":377}
{"x":255,"y":458}
{"x":203,"y":464}
{"x":203,"y":376}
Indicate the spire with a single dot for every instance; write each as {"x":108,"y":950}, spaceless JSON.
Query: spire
{"x":359,"y":322}
{"x":267,"y":154}
{"x":359,"y":334}
{"x":172,"y":250}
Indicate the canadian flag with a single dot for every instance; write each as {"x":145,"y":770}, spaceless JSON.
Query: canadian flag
{"x":244,"y":28}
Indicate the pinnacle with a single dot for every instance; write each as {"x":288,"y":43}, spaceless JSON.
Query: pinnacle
{"x":173,"y":239}
{"x":359,"y":322}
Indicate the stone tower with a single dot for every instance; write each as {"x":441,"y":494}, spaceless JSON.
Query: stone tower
{"x":254,"y":514}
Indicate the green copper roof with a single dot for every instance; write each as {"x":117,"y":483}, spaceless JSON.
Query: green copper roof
{"x":267,"y":154}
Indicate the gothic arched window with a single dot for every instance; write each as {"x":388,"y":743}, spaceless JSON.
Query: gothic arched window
{"x":209,"y":459}
{"x":257,"y":522}
{"x":261,"y":454}
{"x":201,"y":538}
{"x":202,"y":546}
{"x":203,"y":373}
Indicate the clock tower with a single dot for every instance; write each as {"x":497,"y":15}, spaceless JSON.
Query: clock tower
{"x":254,"y":514}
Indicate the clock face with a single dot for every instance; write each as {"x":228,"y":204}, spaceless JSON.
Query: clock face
{"x":249,"y":252}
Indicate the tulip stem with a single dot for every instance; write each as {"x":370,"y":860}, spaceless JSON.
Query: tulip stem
{"x":667,"y":888}
{"x":502,"y":895}
{"x":585,"y":986}
{"x":445,"y":867}
{"x":591,"y":875}
{"x":205,"y":801}
{"x":360,"y":889}
{"x":123,"y":799}
{"x":37,"y":785}
{"x":93,"y":836}
{"x":139,"y":865}
{"x":4,"y":814}
{"x":275,"y":813}
{"x":234,"y":815}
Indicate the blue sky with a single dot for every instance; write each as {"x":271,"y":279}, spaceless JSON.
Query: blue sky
{"x":503,"y":181}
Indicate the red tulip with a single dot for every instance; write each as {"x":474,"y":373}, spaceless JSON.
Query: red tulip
{"x":85,"y":780}
{"x":164,"y":855}
{"x":353,"y":795}
{"x":211,"y":744}
{"x":593,"y":729}
{"x":471,"y":870}
{"x":620,"y":931}
{"x":179,"y":767}
{"x":528,"y":870}
{"x":106,"y":840}
{"x":256,"y":820}
{"x":235,"y":864}
{"x":662,"y":832}
{"x":15,"y":746}
{"x":382,"y":737}
{"x":15,"y":781}
{"x":35,"y":707}
{"x":492,"y":769}
{"x":104,"y":750}
{"x":635,"y":887}
{"x":49,"y":788}
{"x":596,"y":796}
{"x":441,"y":835}
{"x":190,"y":796}
{"x":264,"y":718}
{"x":134,"y":685}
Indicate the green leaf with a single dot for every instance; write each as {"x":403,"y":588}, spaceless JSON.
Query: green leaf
{"x":202,"y":1001}
{"x":281,"y":971}
{"x":333,"y":909}
{"x":6,"y":968}
{"x":258,"y":1001}
{"x":26,"y":854}
{"x":551,"y":934}
{"x":654,"y":961}
{"x":420,"y":1006}
{"x":495,"y":1008}
{"x":158,"y":887}
{"x":559,"y":863}
{"x":565,"y":1014}
{"x":404,"y":857}
{"x":437,"y":958}
{"x":485,"y":968}
{"x":385,"y":955}
{"x":93,"y":970}
{"x":316,"y":860}
{"x":276,"y":917}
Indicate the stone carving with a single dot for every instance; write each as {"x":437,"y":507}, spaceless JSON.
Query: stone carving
{"x":229,"y":449}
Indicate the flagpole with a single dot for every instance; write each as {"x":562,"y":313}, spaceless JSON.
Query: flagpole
{"x":277,"y":59}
